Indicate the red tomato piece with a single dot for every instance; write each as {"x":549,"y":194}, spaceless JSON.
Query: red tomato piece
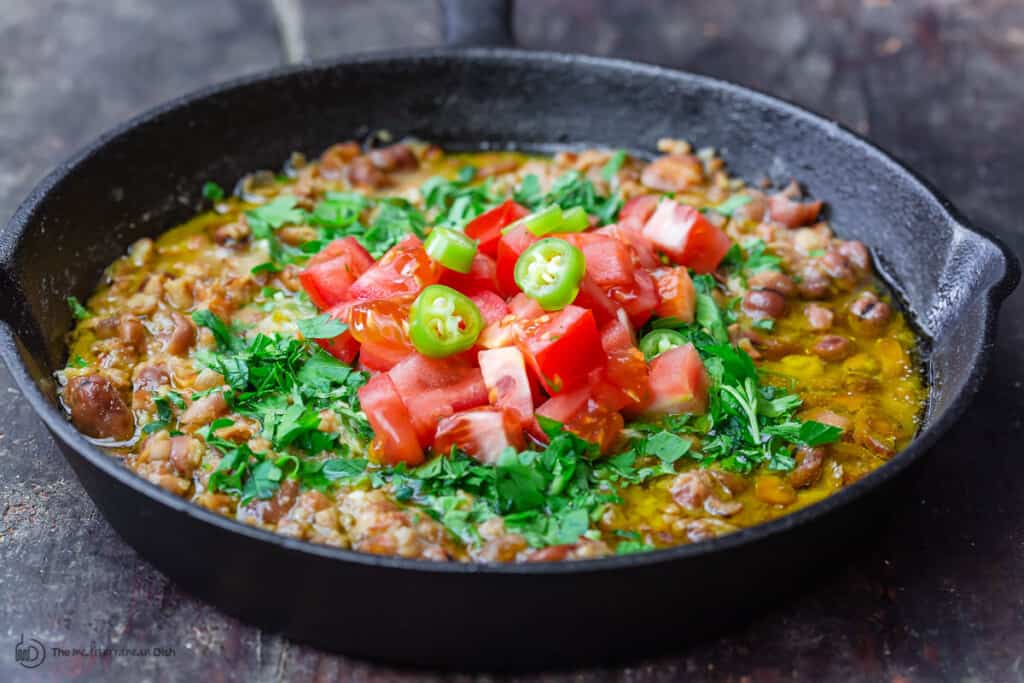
{"x":593,"y":297}
{"x":637,"y":211}
{"x":640,"y":248}
{"x":343,"y":347}
{"x":626,"y":370}
{"x":639,"y":299}
{"x":380,"y":358}
{"x":394,"y":439}
{"x":683,"y":233}
{"x":482,"y":433}
{"x":584,"y":415}
{"x":330,"y":273}
{"x":482,"y":277}
{"x":512,"y":244}
{"x":486,"y":228}
{"x":563,"y":348}
{"x":679,"y":382}
{"x":508,"y":386}
{"x":677,"y":294}
{"x":404,"y":269}
{"x":492,"y":307}
{"x":609,"y":261}
{"x":433,"y":388}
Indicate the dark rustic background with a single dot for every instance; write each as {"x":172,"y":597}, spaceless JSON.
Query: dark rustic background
{"x":937,"y":594}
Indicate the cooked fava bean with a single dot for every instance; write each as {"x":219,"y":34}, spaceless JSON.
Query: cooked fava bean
{"x":97,"y":408}
{"x":833,"y":347}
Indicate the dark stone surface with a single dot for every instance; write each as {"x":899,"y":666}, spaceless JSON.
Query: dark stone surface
{"x":937,"y":595}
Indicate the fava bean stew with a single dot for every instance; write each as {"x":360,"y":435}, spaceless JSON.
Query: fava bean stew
{"x":496,"y":357}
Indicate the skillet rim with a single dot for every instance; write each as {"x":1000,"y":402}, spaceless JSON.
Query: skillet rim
{"x":922,"y":443}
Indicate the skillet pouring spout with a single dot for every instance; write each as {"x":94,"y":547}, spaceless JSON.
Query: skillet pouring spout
{"x":950,"y":277}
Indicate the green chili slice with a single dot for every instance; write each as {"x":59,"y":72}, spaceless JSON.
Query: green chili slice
{"x":443,"y":322}
{"x":546,"y":220}
{"x":659,"y":341}
{"x":574,"y":220}
{"x":549,"y":271}
{"x":452,"y":249}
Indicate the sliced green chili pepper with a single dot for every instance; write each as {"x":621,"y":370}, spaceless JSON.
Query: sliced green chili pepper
{"x":659,"y":341}
{"x":443,"y":322}
{"x":574,"y":220}
{"x":549,"y":271}
{"x":452,"y":249}
{"x":544,"y":221}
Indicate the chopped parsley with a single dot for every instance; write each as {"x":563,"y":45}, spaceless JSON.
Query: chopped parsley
{"x":212,"y":191}
{"x":79,"y":311}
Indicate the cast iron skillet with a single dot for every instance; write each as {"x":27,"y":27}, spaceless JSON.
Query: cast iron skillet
{"x":144,"y":177}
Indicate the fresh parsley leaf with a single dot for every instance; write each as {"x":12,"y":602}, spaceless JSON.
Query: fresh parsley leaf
{"x":729,"y":206}
{"x":79,"y":311}
{"x":226,"y":339}
{"x":667,"y":446}
{"x":212,"y":191}
{"x":614,"y":164}
{"x":277,"y":213}
{"x":321,"y":327}
{"x":267,"y":267}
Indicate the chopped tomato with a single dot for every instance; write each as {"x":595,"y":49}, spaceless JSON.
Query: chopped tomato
{"x":510,"y":247}
{"x":486,"y":228}
{"x":394,"y":440}
{"x":585,"y":416}
{"x":593,"y":297}
{"x":640,"y":248}
{"x":524,"y":308}
{"x":679,"y":382}
{"x":637,"y":211}
{"x":404,"y":269}
{"x":678,"y":296}
{"x":608,"y":260}
{"x":433,"y":388}
{"x":638,"y":299}
{"x":492,"y":307}
{"x":381,"y":323}
{"x":381,"y":358}
{"x":626,"y":370}
{"x":482,"y":277}
{"x":482,"y":433}
{"x":563,"y":347}
{"x":683,"y":233}
{"x":330,"y":273}
{"x":343,"y":347}
{"x":508,"y":386}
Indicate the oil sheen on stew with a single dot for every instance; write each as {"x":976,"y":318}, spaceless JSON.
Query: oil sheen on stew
{"x":496,"y":357}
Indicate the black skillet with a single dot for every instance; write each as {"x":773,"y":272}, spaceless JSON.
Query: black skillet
{"x":144,"y":177}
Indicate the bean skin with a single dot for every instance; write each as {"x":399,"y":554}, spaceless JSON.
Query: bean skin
{"x":673,"y":173}
{"x":97,"y":409}
{"x":764,"y":303}
{"x":132,"y":333}
{"x":773,"y":280}
{"x":183,"y":336}
{"x":869,"y":315}
{"x":833,"y":348}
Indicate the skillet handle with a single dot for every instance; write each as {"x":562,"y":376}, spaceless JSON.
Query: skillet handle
{"x":477,"y":23}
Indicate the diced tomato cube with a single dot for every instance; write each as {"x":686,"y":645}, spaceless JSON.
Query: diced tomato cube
{"x":343,"y":347}
{"x":482,"y":433}
{"x":640,"y":248}
{"x":492,"y":307}
{"x":482,"y":277}
{"x":433,"y":388}
{"x":394,"y":439}
{"x":679,"y":382}
{"x":626,"y":369}
{"x":330,"y":273}
{"x":508,"y":386}
{"x":512,"y":244}
{"x":404,"y":269}
{"x":638,"y":299}
{"x":677,"y":294}
{"x":609,"y":261}
{"x":591,"y":296}
{"x":381,"y":358}
{"x":689,"y":239}
{"x":585,"y":416}
{"x":486,"y":228}
{"x":524,"y":308}
{"x":637,"y":211}
{"x":563,"y":348}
